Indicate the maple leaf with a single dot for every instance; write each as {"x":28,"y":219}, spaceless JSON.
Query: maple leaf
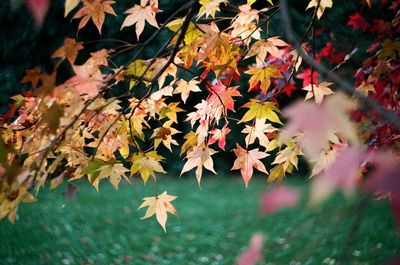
{"x":199,"y":157}
{"x":318,"y":91}
{"x":39,"y":9}
{"x":220,"y":92}
{"x":70,"y":5}
{"x":286,"y":157}
{"x":390,"y":48}
{"x":253,"y":254}
{"x":319,"y":122}
{"x":114,"y":172}
{"x":69,"y":50}
{"x":32,"y":76}
{"x":146,"y":164}
{"x":159,"y":205}
{"x":246,"y":160}
{"x":96,"y":11}
{"x":258,"y":131}
{"x":325,"y":159}
{"x":342,"y":173}
{"x":357,"y":21}
{"x":279,"y":197}
{"x":263,"y":76}
{"x":216,"y":43}
{"x":138,"y":15}
{"x":191,"y":140}
{"x":384,"y":178}
{"x":220,"y":136}
{"x":164,"y":135}
{"x":209,"y":7}
{"x":306,"y":76}
{"x":260,"y":110}
{"x":366,"y":88}
{"x":185,"y":87}
{"x":262,"y":48}
{"x":321,"y":4}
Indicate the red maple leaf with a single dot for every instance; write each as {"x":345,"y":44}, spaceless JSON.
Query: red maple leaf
{"x":357,"y":21}
{"x":306,"y":76}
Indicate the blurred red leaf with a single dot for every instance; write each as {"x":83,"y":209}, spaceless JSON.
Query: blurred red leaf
{"x":39,"y":9}
{"x":253,"y":253}
{"x":278,"y":198}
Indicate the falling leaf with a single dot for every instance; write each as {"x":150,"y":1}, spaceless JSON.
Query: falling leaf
{"x":246,"y":160}
{"x":279,"y":197}
{"x":159,"y":205}
{"x":199,"y":157}
{"x":253,"y":254}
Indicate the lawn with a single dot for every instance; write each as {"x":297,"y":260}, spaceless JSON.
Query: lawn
{"x":214,"y":226}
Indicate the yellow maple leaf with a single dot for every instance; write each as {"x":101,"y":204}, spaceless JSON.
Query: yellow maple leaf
{"x":146,"y":164}
{"x":159,"y":205}
{"x":263,"y":76}
{"x":114,"y":172}
{"x":69,"y":6}
{"x":260,"y":110}
{"x":321,"y":4}
{"x":209,"y":7}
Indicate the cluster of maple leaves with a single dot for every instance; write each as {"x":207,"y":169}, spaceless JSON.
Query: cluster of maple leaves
{"x":64,"y":131}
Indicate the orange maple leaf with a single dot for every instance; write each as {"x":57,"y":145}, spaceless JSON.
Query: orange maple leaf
{"x":262,"y":48}
{"x":69,"y":50}
{"x":95,"y":10}
{"x":246,"y":160}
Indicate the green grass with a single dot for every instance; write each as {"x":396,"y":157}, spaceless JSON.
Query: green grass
{"x":214,"y":226}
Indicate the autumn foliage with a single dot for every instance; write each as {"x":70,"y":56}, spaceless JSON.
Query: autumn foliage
{"x":108,"y":121}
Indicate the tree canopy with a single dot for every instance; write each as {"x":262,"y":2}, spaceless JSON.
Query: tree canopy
{"x":220,"y":80}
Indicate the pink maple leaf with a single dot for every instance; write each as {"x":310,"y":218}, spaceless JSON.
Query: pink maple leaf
{"x":279,"y":197}
{"x":38,"y":9}
{"x":253,"y":253}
